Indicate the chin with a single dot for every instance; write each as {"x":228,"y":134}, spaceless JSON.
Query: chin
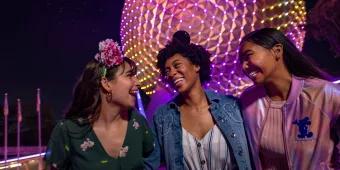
{"x":258,"y":82}
{"x":182,"y":90}
{"x":132,"y":104}
{"x":131,"y":107}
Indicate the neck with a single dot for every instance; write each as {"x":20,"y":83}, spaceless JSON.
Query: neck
{"x":195,"y":98}
{"x":109,"y":114}
{"x":278,"y":88}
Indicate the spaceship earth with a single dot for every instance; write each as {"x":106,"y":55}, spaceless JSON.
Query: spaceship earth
{"x":218,"y":25}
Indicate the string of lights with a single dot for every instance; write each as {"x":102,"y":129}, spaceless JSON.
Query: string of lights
{"x":147,"y":25}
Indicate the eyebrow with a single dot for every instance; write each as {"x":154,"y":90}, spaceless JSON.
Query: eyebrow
{"x":245,"y":52}
{"x":175,"y":61}
{"x":129,"y":71}
{"x":172,"y":63}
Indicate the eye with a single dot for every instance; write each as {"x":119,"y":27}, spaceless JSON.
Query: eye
{"x":177,"y":65}
{"x":244,"y":57}
{"x":129,"y":74}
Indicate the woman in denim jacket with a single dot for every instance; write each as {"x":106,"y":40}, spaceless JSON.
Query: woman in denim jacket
{"x":198,"y":129}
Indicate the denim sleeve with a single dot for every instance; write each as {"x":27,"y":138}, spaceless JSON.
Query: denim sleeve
{"x":152,"y":162}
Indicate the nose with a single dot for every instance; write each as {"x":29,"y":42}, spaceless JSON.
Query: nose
{"x":245,"y":65}
{"x":171,"y":73}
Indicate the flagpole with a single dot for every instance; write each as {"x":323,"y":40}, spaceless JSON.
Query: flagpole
{"x":39,"y":119}
{"x":6,"y":111}
{"x":18,"y":127}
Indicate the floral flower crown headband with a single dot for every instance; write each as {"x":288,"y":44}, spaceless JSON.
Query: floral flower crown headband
{"x":109,"y":55}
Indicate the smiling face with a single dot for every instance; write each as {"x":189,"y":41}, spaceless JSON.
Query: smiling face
{"x":181,"y":73}
{"x":124,"y":86}
{"x":259,"y":63}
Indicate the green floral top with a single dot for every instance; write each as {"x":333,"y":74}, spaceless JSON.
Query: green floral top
{"x":74,"y":145}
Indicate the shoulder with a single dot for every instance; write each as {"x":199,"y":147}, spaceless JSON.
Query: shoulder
{"x":165,"y":113}
{"x":222,"y":100}
{"x":137,"y":116}
{"x":319,"y":86}
{"x":72,"y":128}
{"x":229,"y":99}
{"x":251,"y":95}
{"x":227,"y":106}
{"x":320,"y":82}
{"x":251,"y":90}
{"x":60,"y":129}
{"x":64,"y":124}
{"x":166,"y":108}
{"x":255,"y":91}
{"x":313,"y":82}
{"x":324,"y":94}
{"x":214,"y":96}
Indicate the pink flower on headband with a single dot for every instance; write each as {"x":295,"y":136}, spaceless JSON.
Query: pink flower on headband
{"x":109,"y":53}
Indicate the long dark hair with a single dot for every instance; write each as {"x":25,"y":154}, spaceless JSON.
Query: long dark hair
{"x":195,"y":53}
{"x":296,"y":63}
{"x":86,"y":98}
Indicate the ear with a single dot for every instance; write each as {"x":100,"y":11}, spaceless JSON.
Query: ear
{"x":278,"y":51}
{"x":105,"y":84}
{"x":197,"y":68}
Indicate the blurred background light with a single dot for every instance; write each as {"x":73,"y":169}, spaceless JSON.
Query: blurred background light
{"x":147,"y":25}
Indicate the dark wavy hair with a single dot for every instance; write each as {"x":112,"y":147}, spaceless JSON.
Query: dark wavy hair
{"x":180,"y":44}
{"x":86,"y":98}
{"x":296,"y":63}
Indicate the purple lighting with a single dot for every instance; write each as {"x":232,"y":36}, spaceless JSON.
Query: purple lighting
{"x":216,"y":25}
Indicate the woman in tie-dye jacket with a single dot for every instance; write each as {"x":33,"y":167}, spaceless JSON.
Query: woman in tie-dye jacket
{"x":292,"y":113}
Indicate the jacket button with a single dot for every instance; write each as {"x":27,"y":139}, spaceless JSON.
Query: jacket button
{"x":198,"y":144}
{"x":202,"y":162}
{"x":240,"y":152}
{"x":233,"y":135}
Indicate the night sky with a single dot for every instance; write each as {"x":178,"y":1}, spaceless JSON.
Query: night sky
{"x":47,"y":43}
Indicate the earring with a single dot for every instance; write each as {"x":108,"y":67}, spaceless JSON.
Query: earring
{"x":277,"y":57}
{"x":109,"y":97}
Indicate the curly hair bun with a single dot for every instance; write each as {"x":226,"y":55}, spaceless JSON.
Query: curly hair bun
{"x":181,"y":37}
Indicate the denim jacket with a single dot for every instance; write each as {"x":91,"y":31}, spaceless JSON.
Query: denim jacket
{"x":167,"y":127}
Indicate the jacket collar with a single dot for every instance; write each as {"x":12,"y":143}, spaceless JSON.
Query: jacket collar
{"x":211,"y":96}
{"x":295,"y":89}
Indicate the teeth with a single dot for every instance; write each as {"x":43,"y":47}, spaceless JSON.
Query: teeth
{"x":177,"y":80}
{"x":133,"y":91}
{"x":253,"y":74}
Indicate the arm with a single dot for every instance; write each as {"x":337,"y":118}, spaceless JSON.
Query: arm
{"x":239,"y":107}
{"x":148,"y":138}
{"x":335,"y":97}
{"x":58,"y":149}
{"x":44,"y":166}
{"x":336,"y":151}
{"x":152,"y":162}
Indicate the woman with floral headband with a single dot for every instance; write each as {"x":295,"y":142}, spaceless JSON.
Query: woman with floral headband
{"x":102,"y":130}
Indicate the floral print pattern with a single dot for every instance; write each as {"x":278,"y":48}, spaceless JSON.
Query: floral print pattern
{"x":135,"y":124}
{"x":123,"y":151}
{"x":87,"y":144}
